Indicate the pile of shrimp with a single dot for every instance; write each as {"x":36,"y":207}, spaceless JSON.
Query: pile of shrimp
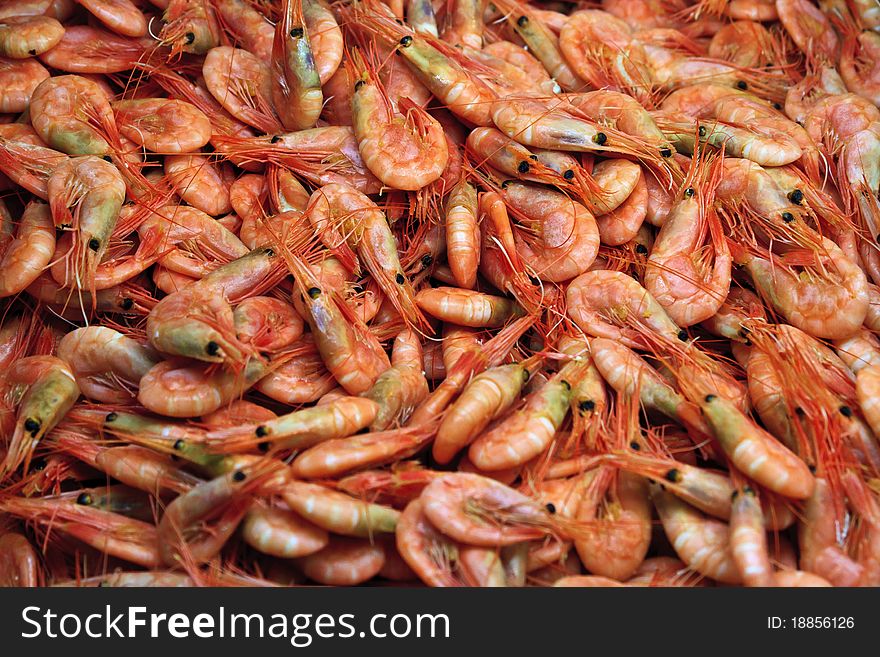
{"x":441,"y":292}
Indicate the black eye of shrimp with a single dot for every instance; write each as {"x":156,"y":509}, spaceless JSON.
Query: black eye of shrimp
{"x":212,"y":348}
{"x":179,"y":444}
{"x":551,"y":508}
{"x":710,"y":398}
{"x":635,"y":446}
{"x":796,"y":197}
{"x":359,"y":84}
{"x":189,"y":37}
{"x":742,"y":85}
{"x":523,"y":167}
{"x":400,"y":279}
{"x":31,"y":425}
{"x":427,"y":260}
{"x":275,"y":139}
{"x":586,"y":406}
{"x":565,"y":384}
{"x":111,"y":417}
{"x":406,"y":42}
{"x":702,"y":131}
{"x":568,"y":174}
{"x":845,"y":411}
{"x":127,"y":303}
{"x":84,"y":499}
{"x":522,"y":21}
{"x":673,"y":476}
{"x":238,"y":475}
{"x":787,"y":217}
{"x":314,"y":292}
{"x":261,"y":431}
{"x":666,"y":152}
{"x":94,"y":244}
{"x":600,"y":138}
{"x":689,"y":192}
{"x":296,"y":33}
{"x":682,"y":335}
{"x":641,"y":249}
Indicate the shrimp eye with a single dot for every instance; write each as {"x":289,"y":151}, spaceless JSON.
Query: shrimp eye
{"x":212,"y":348}
{"x":110,"y":417}
{"x":741,"y":85}
{"x":812,"y":468}
{"x":427,"y":260}
{"x":635,"y":446}
{"x":523,"y":167}
{"x":261,"y":431}
{"x":314,"y":292}
{"x":682,"y":335}
{"x":189,"y":37}
{"x":534,"y":280}
{"x":270,"y":253}
{"x":586,"y":406}
{"x":734,"y":495}
{"x":777,"y":106}
{"x":533,"y":157}
{"x":641,"y":249}
{"x":275,"y":139}
{"x":84,"y":499}
{"x":787,"y":217}
{"x":666,"y":152}
{"x":296,"y":33}
{"x":238,"y":475}
{"x":522,"y":21}
{"x":551,"y":508}
{"x":406,"y":42}
{"x":748,"y":490}
{"x":359,"y":84}
{"x":126,"y":303}
{"x":506,"y":184}
{"x":568,"y":174}
{"x":799,"y":411}
{"x":526,"y":376}
{"x":357,"y":289}
{"x":400,"y":279}
{"x":710,"y":398}
{"x":107,"y":158}
{"x":263,"y":446}
{"x":600,"y":138}
{"x":845,"y":411}
{"x":565,"y":384}
{"x":94,"y":244}
{"x":179,"y":444}
{"x":673,"y":476}
{"x":796,"y":197}
{"x":702,"y":131}
{"x":689,"y":192}
{"x":31,"y":425}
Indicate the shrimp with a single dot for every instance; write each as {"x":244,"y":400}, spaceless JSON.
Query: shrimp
{"x":480,"y":511}
{"x":405,"y":150}
{"x":296,"y":85}
{"x":756,"y":452}
{"x":487,"y":397}
{"x":19,"y":564}
{"x":190,"y":26}
{"x":267,"y":323}
{"x":325,"y":37}
{"x":198,"y":182}
{"x":197,"y":524}
{"x":300,"y":429}
{"x":334,"y":207}
{"x":107,"y":365}
{"x":827,"y":299}
{"x":162,"y":125}
{"x":701,"y":542}
{"x":18,"y":80}
{"x":281,"y":533}
{"x":198,"y":322}
{"x":249,"y":26}
{"x":337,"y":512}
{"x":51,"y":391}
{"x":176,"y":390}
{"x":28,"y":36}
{"x":402,"y":387}
{"x":809,"y":28}
{"x":86,"y":49}
{"x":748,"y":541}
{"x":528,"y":431}
{"x":463,"y":234}
{"x":612,"y":305}
{"x":468,"y":308}
{"x":122,"y":16}
{"x":26,"y":250}
{"x":344,"y":562}
{"x":688,"y":271}
{"x":113,"y":534}
{"x":242,"y":84}
{"x":818,"y":534}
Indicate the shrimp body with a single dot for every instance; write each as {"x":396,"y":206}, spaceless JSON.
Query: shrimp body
{"x":468,"y":308}
{"x":755,"y":452}
{"x":107,"y":365}
{"x":296,"y":84}
{"x":463,"y":234}
{"x":61,"y":110}
{"x":163,"y":125}
{"x":337,"y":512}
{"x":281,"y":533}
{"x":27,"y":250}
{"x":19,"y":564}
{"x":748,"y":540}
{"x":612,"y":305}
